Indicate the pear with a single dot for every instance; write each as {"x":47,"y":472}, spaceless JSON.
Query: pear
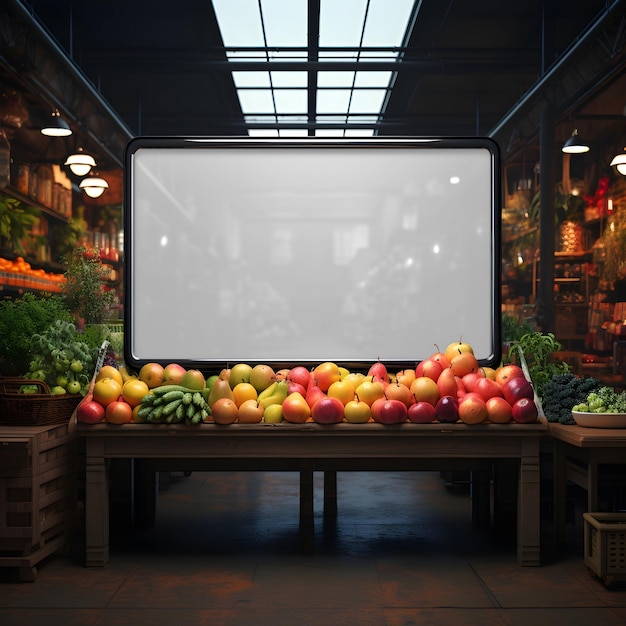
{"x":220,"y":389}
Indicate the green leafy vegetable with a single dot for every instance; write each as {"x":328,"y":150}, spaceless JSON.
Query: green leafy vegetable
{"x":563,"y":392}
{"x":603,"y":400}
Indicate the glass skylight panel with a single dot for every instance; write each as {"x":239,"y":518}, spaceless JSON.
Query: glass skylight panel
{"x":333,"y":100}
{"x":329,"y":132}
{"x":290,"y":100}
{"x":256,"y":100}
{"x":251,"y":79}
{"x":335,"y":79}
{"x":341,"y":22}
{"x":239,"y":22}
{"x":262,"y":132}
{"x":372,"y":79}
{"x":289,"y":79}
{"x":359,"y":132}
{"x":279,"y":28}
{"x":387,"y":22}
{"x":285,"y":22}
{"x":293,"y":132}
{"x":367,"y":100}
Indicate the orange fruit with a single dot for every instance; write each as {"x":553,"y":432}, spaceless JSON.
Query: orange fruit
{"x":108,"y":371}
{"x":244,"y":391}
{"x":106,"y":390}
{"x":133,"y":391}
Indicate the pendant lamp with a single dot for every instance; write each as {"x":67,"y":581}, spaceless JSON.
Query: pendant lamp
{"x":619,"y":162}
{"x":56,"y":126}
{"x":94,"y":186}
{"x":575,"y":145}
{"x":80,"y":162}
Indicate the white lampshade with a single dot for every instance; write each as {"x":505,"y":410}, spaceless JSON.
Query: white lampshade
{"x":575,"y":145}
{"x":80,"y":162}
{"x":619,"y":162}
{"x":94,"y":186}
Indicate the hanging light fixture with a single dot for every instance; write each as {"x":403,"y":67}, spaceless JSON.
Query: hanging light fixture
{"x":575,"y":145}
{"x":619,"y":162}
{"x":94,"y":186}
{"x":57,"y":126}
{"x":80,"y":162}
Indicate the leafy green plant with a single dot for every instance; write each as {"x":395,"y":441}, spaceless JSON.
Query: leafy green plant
{"x":84,"y":290}
{"x":538,"y":349}
{"x":16,"y":221}
{"x":61,"y":358}
{"x":20,"y":319}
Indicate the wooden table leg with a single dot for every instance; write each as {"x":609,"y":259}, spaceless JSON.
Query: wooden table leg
{"x":330,"y":494}
{"x":559,"y":503}
{"x":307,"y":526}
{"x":528,"y":506}
{"x":96,"y":505}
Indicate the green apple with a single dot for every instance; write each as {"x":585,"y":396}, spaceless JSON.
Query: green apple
{"x":239,"y":373}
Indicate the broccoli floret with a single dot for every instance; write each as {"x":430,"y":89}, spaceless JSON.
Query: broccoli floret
{"x":564,"y":391}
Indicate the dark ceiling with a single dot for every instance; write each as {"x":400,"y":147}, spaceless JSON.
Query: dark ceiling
{"x":471,"y":67}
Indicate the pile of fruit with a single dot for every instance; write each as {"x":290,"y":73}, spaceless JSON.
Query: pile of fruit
{"x":448,"y":387}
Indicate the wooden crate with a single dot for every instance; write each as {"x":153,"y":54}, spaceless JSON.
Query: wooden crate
{"x":605,"y":546}
{"x":37,"y":494}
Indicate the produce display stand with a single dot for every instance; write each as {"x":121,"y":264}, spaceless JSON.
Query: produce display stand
{"x":577,"y":453}
{"x":308,"y":448}
{"x":37,"y":493}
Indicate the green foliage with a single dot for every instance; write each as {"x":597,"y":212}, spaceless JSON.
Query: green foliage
{"x":513,"y":329}
{"x":16,"y":220}
{"x":538,"y":349}
{"x":20,"y":319}
{"x":84,"y":291}
{"x":60,"y":356}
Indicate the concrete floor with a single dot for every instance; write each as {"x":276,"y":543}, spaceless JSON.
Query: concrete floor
{"x":225,"y":550}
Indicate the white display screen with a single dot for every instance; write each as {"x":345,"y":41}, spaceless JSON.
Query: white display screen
{"x":298,"y":252}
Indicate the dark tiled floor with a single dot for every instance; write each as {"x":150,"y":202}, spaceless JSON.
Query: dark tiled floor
{"x":225,"y":550}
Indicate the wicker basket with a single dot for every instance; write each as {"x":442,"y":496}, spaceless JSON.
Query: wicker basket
{"x":33,"y":409}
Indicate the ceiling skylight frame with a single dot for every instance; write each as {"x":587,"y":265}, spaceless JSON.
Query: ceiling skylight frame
{"x":360,"y":62}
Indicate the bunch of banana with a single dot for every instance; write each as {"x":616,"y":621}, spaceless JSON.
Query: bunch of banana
{"x":274,"y":394}
{"x":173,"y":404}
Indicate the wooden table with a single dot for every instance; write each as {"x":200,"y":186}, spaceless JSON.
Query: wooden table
{"x":311,"y":447}
{"x":577,"y":453}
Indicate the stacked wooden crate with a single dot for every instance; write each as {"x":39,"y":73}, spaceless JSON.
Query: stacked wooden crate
{"x":37,"y":494}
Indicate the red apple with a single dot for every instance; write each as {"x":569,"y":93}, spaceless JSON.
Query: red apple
{"x":447,"y":409}
{"x":173,"y":374}
{"x":300,"y":375}
{"x":525,"y":411}
{"x":460,"y":387}
{"x":293,"y":386}
{"x":516,"y":388}
{"x":328,"y":410}
{"x":506,"y":372}
{"x":389,"y":411}
{"x":421,"y":413}
{"x":499,"y":411}
{"x":430,"y":368}
{"x":488,"y":388}
{"x":89,"y":412}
